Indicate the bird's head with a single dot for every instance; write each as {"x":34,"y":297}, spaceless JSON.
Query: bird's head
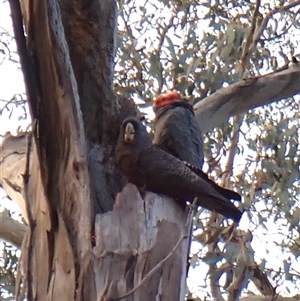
{"x":129,"y":132}
{"x":133,"y":131}
{"x":167,"y":99}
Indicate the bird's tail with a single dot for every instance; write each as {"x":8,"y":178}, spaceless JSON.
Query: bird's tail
{"x":227,"y":209}
{"x":229,"y":194}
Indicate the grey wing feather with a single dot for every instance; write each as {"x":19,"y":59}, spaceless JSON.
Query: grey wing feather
{"x":179,"y":134}
{"x":178,"y":181}
{"x":230,"y":194}
{"x":174,"y":175}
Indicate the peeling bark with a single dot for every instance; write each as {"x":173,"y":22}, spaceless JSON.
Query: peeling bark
{"x":70,"y":170}
{"x":12,"y":166}
{"x":145,"y":231}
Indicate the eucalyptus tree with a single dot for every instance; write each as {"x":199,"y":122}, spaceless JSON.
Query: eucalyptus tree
{"x":83,"y":63}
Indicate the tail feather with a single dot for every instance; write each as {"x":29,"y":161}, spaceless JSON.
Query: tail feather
{"x":229,"y":194}
{"x":227,"y":209}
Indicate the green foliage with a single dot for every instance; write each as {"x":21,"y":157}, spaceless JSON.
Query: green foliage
{"x":195,"y":48}
{"x":8,"y":272}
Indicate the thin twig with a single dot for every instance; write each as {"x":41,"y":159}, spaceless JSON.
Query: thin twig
{"x":237,"y":121}
{"x":25,"y":59}
{"x":189,"y":230}
{"x":136,"y":62}
{"x":215,"y":275}
{"x":268,"y":17}
{"x":246,"y":51}
{"x":161,"y":41}
{"x":8,"y":102}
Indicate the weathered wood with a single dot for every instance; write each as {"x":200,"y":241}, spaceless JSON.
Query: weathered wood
{"x":76,"y":119}
{"x":60,"y":139}
{"x":135,"y":237}
{"x":12,"y":166}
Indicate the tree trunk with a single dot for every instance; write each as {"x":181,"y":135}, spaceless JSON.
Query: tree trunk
{"x":75,"y":247}
{"x":142,"y":247}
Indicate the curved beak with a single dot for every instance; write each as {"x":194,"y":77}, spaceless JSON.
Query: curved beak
{"x":129,"y":133}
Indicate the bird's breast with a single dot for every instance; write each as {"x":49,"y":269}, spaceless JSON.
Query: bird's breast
{"x":128,"y":162}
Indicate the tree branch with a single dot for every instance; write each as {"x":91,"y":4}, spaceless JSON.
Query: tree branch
{"x":12,"y":165}
{"x":11,"y":230}
{"x":246,"y":53}
{"x":246,"y":95}
{"x":237,"y":122}
{"x":25,"y":59}
{"x":269,"y":298}
{"x":269,"y":16}
{"x":215,"y":276}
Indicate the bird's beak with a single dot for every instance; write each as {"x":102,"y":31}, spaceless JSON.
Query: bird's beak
{"x":129,"y":133}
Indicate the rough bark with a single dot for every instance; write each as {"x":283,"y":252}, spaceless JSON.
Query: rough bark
{"x":82,"y":36}
{"x":70,"y":172}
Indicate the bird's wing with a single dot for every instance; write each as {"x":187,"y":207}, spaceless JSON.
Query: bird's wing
{"x":166,"y":171}
{"x":230,"y":194}
{"x":166,"y":174}
{"x":177,"y":131}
